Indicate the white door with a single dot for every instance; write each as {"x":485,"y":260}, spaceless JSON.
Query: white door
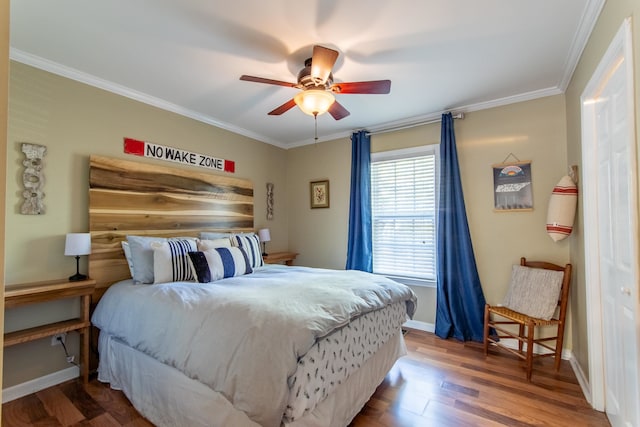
{"x":612,"y":189}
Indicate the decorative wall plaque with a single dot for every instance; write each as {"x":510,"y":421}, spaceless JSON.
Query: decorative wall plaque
{"x":512,"y":187}
{"x":269,"y":200}
{"x":33,"y":179}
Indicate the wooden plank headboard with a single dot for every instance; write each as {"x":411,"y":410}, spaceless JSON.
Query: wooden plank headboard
{"x":132,"y":198}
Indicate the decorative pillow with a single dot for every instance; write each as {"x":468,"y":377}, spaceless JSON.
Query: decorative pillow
{"x":171,"y":260}
{"x":204,"y":245}
{"x":211,"y":235}
{"x":534,"y":291}
{"x":219,"y":263}
{"x":251,"y":245}
{"x":142,"y":256}
{"x":127,"y":255}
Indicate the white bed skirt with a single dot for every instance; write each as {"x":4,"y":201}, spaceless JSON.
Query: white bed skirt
{"x":166,"y":397}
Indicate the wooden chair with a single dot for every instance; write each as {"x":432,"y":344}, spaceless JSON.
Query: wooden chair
{"x":527,"y":325}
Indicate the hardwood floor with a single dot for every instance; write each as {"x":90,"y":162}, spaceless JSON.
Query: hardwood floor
{"x":449,"y":383}
{"x":440,"y":383}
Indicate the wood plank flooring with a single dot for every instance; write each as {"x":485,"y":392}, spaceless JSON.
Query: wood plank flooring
{"x":440,"y":383}
{"x":449,"y":383}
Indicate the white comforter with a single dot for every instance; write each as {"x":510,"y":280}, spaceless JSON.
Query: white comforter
{"x":243,"y":336}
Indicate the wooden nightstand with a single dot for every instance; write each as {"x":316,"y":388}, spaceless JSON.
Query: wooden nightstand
{"x":37,"y":292}
{"x":279,"y":257}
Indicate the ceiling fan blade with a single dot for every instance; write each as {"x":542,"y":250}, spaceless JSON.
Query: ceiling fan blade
{"x":267,"y":81}
{"x":322,"y":62}
{"x":374,"y":86}
{"x":338,"y":111}
{"x":283,"y":108}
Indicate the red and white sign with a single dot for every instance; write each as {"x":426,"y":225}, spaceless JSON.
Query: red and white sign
{"x":176,"y":155}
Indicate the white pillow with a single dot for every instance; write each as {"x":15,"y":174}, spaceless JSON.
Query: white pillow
{"x":142,"y":256}
{"x":250,"y":242}
{"x":171,"y":260}
{"x":127,"y":255}
{"x":204,"y":245}
{"x":212,"y":235}
{"x":534,"y":291}
{"x":219,"y":263}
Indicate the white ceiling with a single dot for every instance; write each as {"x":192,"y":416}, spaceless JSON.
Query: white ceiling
{"x":187,"y":56}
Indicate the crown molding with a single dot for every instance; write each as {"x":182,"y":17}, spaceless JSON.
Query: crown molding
{"x":431,"y":117}
{"x":79,"y":76}
{"x":587,"y":23}
{"x":91,"y":80}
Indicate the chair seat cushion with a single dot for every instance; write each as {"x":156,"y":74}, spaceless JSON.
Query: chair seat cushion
{"x":534,"y":291}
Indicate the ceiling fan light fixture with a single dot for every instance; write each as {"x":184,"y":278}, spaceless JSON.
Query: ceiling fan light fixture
{"x":314,"y":101}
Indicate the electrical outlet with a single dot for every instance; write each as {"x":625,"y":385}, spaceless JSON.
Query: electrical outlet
{"x":58,"y":339}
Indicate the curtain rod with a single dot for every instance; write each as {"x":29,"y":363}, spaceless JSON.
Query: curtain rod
{"x":412,"y":125}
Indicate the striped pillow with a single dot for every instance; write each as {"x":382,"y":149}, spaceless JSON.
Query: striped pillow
{"x":142,"y":256}
{"x":171,"y":261}
{"x":219,"y":263}
{"x":251,"y":245}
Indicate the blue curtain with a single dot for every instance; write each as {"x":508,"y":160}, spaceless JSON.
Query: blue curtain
{"x":360,"y":245}
{"x":460,"y":304}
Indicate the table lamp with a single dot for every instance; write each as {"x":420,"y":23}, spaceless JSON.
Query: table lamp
{"x":265,"y":236}
{"x":77,"y":244}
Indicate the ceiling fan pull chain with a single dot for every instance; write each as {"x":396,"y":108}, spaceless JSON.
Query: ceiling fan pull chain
{"x":315,"y":119}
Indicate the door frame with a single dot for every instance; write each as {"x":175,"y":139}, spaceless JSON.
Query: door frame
{"x":621,"y":46}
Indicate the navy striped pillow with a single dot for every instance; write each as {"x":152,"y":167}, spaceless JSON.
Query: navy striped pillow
{"x":171,"y":261}
{"x":251,"y":245}
{"x":219,"y":263}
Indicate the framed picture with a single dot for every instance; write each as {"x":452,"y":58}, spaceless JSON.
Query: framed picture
{"x":512,"y":187}
{"x":319,"y":194}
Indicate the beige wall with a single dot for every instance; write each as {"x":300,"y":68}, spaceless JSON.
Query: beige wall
{"x":4,"y":86}
{"x":609,"y":22}
{"x":533,"y":130}
{"x":75,"y":120}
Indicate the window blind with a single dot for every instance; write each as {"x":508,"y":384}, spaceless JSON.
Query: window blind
{"x":403,"y":196}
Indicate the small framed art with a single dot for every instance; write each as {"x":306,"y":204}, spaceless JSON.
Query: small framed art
{"x":512,"y":187}
{"x":319,"y":191}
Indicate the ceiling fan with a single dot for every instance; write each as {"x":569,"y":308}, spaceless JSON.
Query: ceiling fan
{"x":318,"y":88}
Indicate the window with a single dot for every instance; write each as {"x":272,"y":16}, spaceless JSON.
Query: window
{"x":403,"y":203}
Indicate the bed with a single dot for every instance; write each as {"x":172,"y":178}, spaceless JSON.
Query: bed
{"x":280,"y":345}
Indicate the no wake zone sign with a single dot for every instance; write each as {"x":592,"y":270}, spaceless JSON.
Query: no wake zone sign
{"x":176,"y":155}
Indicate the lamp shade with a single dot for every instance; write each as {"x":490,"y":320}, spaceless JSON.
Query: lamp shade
{"x":314,"y":101}
{"x":77,"y":244}
{"x":264,"y":235}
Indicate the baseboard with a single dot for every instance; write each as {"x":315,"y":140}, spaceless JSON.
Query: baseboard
{"x":421,"y":326}
{"x":37,"y":384}
{"x":582,"y":379}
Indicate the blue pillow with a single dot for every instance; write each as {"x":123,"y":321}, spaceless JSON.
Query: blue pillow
{"x":219,"y":263}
